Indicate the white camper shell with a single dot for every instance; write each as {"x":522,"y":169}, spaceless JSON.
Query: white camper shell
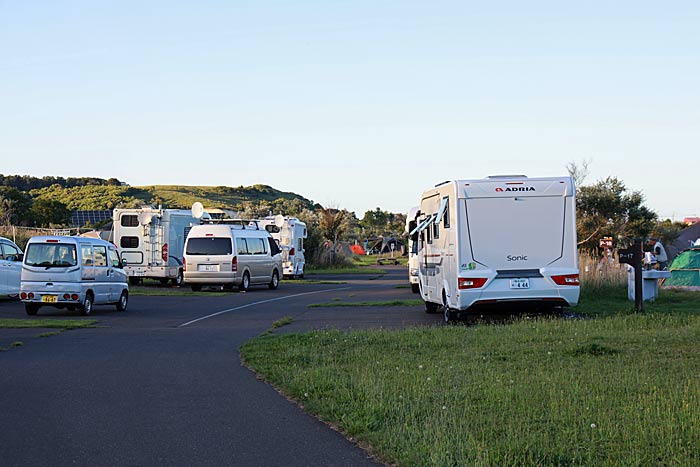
{"x":411,"y":224}
{"x":72,"y":272}
{"x":151,"y":241}
{"x":289,"y":233}
{"x":234,"y":254}
{"x":500,"y":239}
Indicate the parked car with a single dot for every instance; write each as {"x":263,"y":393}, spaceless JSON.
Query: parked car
{"x":74,"y":273}
{"x":10,"y":268}
{"x":231,"y":255}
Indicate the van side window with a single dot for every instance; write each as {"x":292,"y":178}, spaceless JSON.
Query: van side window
{"x":86,"y":253}
{"x":429,"y":235}
{"x":129,"y":242}
{"x":446,"y":216}
{"x":242,"y":246}
{"x":301,"y":245}
{"x":130,"y":221}
{"x":436,"y":230}
{"x":113,"y":258}
{"x":256,"y":246}
{"x":100,"y":256}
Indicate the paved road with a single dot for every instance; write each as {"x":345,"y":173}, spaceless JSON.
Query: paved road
{"x":162,"y":384}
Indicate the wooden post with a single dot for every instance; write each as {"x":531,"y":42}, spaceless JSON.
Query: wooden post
{"x":638,"y":254}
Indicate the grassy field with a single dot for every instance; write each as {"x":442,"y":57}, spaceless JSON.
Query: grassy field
{"x":355,"y":304}
{"x":616,"y":389}
{"x":346,"y":270}
{"x":8,"y":323}
{"x":175,"y":291}
{"x":370,"y":260}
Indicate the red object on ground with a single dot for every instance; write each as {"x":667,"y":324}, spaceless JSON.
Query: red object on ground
{"x":358,"y":250}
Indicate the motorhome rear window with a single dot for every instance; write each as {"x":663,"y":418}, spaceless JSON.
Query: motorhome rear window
{"x":130,"y":220}
{"x":129,"y":242}
{"x":51,"y":255}
{"x":208,"y":246}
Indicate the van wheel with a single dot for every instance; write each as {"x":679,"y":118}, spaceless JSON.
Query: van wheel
{"x":431,"y":307}
{"x":196,"y":288}
{"x":275,"y":281}
{"x":86,"y":307}
{"x":245,"y":282}
{"x":31,"y":308}
{"x":449,"y":316}
{"x":177,"y":280}
{"x":123,"y":301}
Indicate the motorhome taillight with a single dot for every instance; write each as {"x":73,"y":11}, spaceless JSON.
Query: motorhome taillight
{"x":30,"y":295}
{"x":66,"y":296}
{"x":471,"y":282}
{"x":164,"y":252}
{"x":23,"y":295}
{"x":566,"y":279}
{"x":74,"y":296}
{"x":234,"y":264}
{"x":291,"y":252}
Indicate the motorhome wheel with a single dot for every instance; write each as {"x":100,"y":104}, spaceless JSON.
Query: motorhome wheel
{"x":177,"y":280}
{"x":31,"y":308}
{"x":196,"y":288}
{"x":431,"y":307}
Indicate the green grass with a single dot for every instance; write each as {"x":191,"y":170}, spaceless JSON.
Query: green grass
{"x":49,"y":334}
{"x":351,"y":270}
{"x":7,"y":323}
{"x":16,"y":344}
{"x":169,"y":292}
{"x":619,"y":390}
{"x":384,"y":303}
{"x":369,"y":260}
{"x":310,"y":281}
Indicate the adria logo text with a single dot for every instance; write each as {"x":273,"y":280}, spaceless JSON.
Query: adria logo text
{"x":517,"y":188}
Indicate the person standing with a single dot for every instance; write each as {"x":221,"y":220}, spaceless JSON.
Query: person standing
{"x":660,"y":253}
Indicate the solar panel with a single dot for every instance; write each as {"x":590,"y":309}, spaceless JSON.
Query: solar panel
{"x":81,"y":218}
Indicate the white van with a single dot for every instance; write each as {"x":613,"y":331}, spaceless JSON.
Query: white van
{"x":239,"y":254}
{"x":10,"y":268}
{"x":72,"y":272}
{"x":411,"y":224}
{"x":289,"y":232}
{"x":500,"y":239}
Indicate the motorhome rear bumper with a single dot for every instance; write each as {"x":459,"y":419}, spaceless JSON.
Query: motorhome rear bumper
{"x":498,"y":290}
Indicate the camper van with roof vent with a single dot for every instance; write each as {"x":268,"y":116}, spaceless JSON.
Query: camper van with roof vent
{"x":504,"y":239}
{"x":289,"y":233}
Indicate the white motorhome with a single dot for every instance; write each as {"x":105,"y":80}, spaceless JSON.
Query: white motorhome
{"x":411,"y":224}
{"x":499,"y":239}
{"x":231,"y":254}
{"x":72,"y":272}
{"x":289,"y":232}
{"x":151,"y":240}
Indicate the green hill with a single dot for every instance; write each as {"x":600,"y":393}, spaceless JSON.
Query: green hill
{"x":96,"y":197}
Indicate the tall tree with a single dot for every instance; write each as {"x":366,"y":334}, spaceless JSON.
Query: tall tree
{"x":608,"y":208}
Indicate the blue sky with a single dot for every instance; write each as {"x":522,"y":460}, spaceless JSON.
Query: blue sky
{"x":353,"y":104}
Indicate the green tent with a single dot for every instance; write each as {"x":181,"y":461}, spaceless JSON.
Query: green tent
{"x":685,"y":269}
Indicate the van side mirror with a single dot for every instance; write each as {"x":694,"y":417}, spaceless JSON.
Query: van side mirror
{"x":122,"y":263}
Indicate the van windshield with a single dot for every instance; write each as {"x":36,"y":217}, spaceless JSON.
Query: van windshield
{"x":51,"y":255}
{"x":209,"y":246}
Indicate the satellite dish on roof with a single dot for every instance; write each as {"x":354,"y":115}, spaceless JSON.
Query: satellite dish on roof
{"x":279,"y":220}
{"x":197,"y":210}
{"x":145,"y":218}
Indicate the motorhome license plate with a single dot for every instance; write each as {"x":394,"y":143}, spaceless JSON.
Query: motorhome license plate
{"x":49,"y":298}
{"x":208,"y":267}
{"x":520,"y":283}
